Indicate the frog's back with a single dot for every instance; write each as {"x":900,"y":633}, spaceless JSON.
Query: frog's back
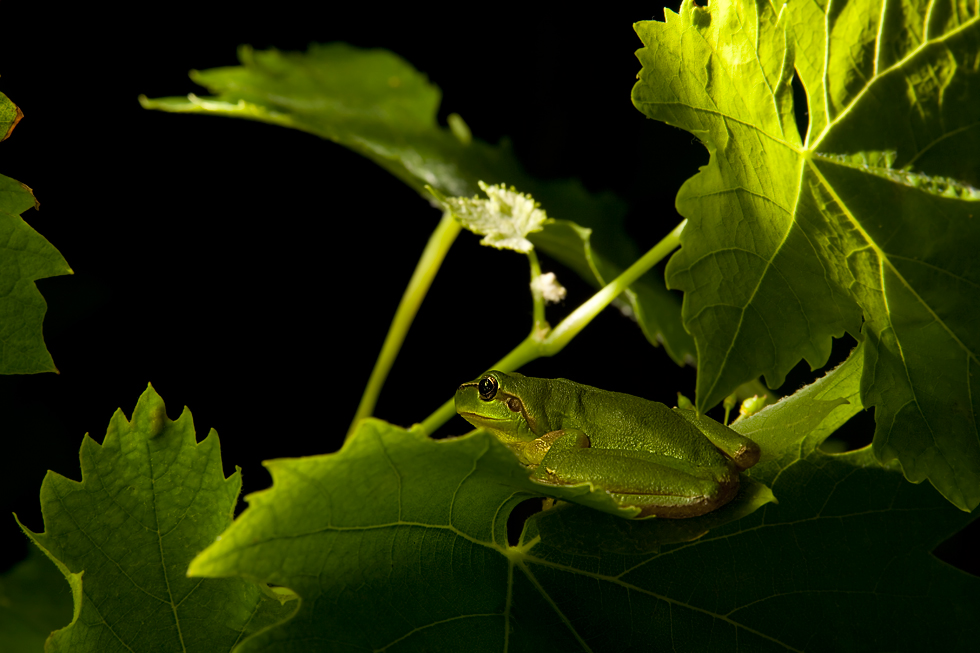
{"x":616,"y":420}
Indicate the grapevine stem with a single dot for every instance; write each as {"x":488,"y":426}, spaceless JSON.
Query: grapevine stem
{"x":432,"y":256}
{"x":549,"y":343}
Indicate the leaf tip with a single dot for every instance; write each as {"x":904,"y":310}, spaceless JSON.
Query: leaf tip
{"x":28,"y":532}
{"x":150,"y":414}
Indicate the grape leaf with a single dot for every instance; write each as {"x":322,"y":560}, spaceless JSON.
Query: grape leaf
{"x":25,"y":257}
{"x":151,"y":497}
{"x":792,"y":428}
{"x":376,"y":104}
{"x":412,"y":529}
{"x":10,"y":115}
{"x":790,"y":244}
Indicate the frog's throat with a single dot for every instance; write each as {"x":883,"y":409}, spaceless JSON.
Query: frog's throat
{"x":496,"y":425}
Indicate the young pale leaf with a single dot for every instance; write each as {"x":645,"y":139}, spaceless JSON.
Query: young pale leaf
{"x":25,"y":257}
{"x":790,"y":244}
{"x":413,"y":529}
{"x":376,"y":104}
{"x":504,"y":219}
{"x":546,"y":285}
{"x":151,"y":497}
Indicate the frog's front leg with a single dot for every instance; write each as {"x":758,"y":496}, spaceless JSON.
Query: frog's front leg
{"x":533,"y":452}
{"x":659,"y":485}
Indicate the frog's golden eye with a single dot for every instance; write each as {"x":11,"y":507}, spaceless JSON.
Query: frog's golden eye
{"x":514,"y":404}
{"x":487,"y":388}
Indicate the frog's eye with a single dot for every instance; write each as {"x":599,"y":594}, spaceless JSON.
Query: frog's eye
{"x":514,"y":404}
{"x":487,"y":388}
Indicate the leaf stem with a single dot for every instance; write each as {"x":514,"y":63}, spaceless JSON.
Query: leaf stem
{"x":548,"y":343}
{"x":432,"y":257}
{"x":568,"y":328}
{"x":538,"y":300}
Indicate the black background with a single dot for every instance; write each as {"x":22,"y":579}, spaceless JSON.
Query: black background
{"x":249,"y":272}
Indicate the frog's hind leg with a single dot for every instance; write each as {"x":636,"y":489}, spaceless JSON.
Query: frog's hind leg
{"x":744,"y":452}
{"x":657,"y":484}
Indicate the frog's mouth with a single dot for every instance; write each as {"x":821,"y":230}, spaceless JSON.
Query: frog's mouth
{"x":481,"y":418}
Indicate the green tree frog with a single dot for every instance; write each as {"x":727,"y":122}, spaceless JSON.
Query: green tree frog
{"x":668,"y":462}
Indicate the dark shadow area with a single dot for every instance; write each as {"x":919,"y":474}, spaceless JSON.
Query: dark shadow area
{"x":519,"y":515}
{"x":960,"y":550}
{"x":800,"y":107}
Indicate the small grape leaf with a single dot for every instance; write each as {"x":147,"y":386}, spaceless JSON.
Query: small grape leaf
{"x":398,"y":525}
{"x":151,"y":497}
{"x":505,"y":218}
{"x":378,"y":105}
{"x":790,"y":244}
{"x":25,"y":257}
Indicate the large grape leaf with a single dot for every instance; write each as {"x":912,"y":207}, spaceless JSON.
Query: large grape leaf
{"x":151,"y":497}
{"x":398,"y":543}
{"x":25,"y":257}
{"x":789,"y":244}
{"x":378,"y":105}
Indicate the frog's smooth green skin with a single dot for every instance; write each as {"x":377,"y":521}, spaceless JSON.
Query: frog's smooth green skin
{"x":668,"y":462}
